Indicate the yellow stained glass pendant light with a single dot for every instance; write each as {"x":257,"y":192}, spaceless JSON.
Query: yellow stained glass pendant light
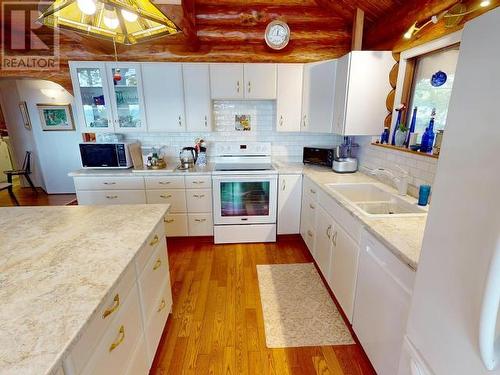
{"x":124,"y":21}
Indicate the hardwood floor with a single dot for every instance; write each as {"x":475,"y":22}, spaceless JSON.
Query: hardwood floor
{"x":27,"y":197}
{"x":217,"y":325}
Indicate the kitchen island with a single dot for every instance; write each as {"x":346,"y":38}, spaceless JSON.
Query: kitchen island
{"x":69,"y":276}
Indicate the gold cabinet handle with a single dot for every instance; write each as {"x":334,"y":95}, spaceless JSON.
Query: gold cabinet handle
{"x":119,"y":340}
{"x":155,"y":240}
{"x":109,"y":183}
{"x":312,"y":207}
{"x":237,"y":86}
{"x":281,"y":120}
{"x":164,"y":182}
{"x":284,"y":185}
{"x":200,"y":220}
{"x":206,"y":121}
{"x":157,"y":264}
{"x":309,"y":233}
{"x":198,"y":195}
{"x":166,"y":196}
{"x":112,"y":309}
{"x":329,"y":231}
{"x":180,"y":121}
{"x":249,"y":86}
{"x":198,"y":182}
{"x":305,"y":121}
{"x":111,"y":196}
{"x":162,"y":305}
{"x":168,"y":221}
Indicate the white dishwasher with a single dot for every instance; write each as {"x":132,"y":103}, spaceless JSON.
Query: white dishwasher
{"x":383,"y":297}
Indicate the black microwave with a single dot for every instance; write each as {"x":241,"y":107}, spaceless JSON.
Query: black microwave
{"x":105,"y":155}
{"x":318,"y":156}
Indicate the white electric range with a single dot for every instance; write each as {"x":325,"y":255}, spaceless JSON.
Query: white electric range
{"x":245,"y":193}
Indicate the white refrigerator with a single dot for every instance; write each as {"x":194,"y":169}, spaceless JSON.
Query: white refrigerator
{"x":454,"y":325}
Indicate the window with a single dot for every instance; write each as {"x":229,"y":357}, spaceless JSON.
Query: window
{"x":428,"y":93}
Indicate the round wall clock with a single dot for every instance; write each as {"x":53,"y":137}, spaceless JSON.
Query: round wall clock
{"x":277,"y":34}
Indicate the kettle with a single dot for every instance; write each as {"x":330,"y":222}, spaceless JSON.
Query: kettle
{"x":188,"y":156}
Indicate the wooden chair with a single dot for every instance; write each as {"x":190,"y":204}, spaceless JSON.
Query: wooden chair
{"x":25,"y":171}
{"x":7,"y":186}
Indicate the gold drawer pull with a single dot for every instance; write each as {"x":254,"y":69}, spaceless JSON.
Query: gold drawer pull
{"x":157,"y":264}
{"x":309,"y":233}
{"x":168,"y":221}
{"x":164,"y":182}
{"x":198,"y":182}
{"x":310,"y":205}
{"x":155,"y":240}
{"x":312,"y":191}
{"x":162,"y":305}
{"x":109,"y":183}
{"x":119,"y":340}
{"x":111,"y":196}
{"x":166,"y":196}
{"x":198,"y":195}
{"x":200,"y":220}
{"x":112,"y":309}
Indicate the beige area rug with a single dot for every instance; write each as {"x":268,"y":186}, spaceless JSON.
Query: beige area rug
{"x":298,"y":311}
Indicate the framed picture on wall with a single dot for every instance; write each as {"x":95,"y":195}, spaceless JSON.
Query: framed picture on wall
{"x":25,"y":115}
{"x":56,"y":117}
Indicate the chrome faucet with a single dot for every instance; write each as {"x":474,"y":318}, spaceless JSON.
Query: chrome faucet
{"x":400,"y":178}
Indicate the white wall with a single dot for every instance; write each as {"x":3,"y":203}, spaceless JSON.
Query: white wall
{"x":21,"y":139}
{"x":58,"y":150}
{"x":285,"y":146}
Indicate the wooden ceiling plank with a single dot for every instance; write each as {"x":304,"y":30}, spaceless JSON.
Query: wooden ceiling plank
{"x":338,"y":8}
{"x":390,"y":28}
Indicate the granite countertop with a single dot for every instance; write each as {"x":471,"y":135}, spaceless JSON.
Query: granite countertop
{"x":57,"y":265}
{"x":401,"y":235}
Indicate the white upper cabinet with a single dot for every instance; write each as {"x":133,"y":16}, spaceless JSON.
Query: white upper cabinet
{"x":260,"y":81}
{"x":92,"y":95}
{"x":197,"y":97}
{"x":289,"y":97}
{"x":226,"y":81}
{"x":361,"y":89}
{"x":164,"y":97}
{"x":127,"y":101}
{"x":317,"y":98}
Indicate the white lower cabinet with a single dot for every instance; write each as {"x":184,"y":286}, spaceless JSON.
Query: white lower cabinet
{"x":118,"y":339}
{"x":190,"y":198}
{"x":200,"y":224}
{"x":289,"y":202}
{"x":176,"y":225}
{"x":118,"y":343}
{"x":323,"y":246}
{"x":111,"y":197}
{"x":383,"y":297}
{"x":344,"y":269}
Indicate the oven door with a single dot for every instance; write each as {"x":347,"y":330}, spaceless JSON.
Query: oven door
{"x":245,"y":199}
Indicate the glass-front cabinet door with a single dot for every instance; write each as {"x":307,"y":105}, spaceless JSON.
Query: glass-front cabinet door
{"x":91,"y":95}
{"x":126,"y":94}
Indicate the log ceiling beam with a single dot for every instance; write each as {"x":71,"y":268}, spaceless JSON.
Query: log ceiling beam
{"x":357,"y":30}
{"x":260,"y":15}
{"x":388,"y":29}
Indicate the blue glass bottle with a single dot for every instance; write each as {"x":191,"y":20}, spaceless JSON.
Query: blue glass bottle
{"x":398,"y":124}
{"x":384,"y":138}
{"x":428,"y":137}
{"x":412,"y":126}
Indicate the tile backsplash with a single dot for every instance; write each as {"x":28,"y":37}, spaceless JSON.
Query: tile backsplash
{"x":285,"y":146}
{"x":422,"y":169}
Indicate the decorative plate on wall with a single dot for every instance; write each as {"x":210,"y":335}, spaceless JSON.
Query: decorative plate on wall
{"x":439,"y":79}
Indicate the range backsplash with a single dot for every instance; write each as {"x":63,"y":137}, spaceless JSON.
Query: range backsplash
{"x":285,"y":146}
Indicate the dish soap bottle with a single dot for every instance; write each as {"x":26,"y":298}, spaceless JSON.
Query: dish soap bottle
{"x":428,"y":136}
